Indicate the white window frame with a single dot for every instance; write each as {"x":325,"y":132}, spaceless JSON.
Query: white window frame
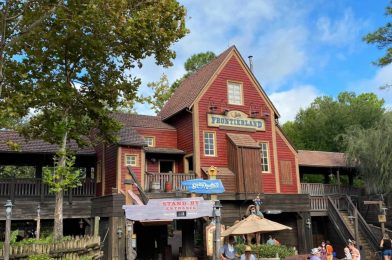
{"x":264,"y":154}
{"x":130,"y":163}
{"x":234,"y":93}
{"x":152,"y":138}
{"x":207,"y":142}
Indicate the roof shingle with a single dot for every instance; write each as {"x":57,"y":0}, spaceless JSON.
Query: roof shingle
{"x":242,"y":140}
{"x":36,"y":146}
{"x":190,"y":88}
{"x":321,"y":159}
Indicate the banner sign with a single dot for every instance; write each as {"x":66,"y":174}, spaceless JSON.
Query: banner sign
{"x":204,"y":186}
{"x":236,"y":119}
{"x":170,"y":208}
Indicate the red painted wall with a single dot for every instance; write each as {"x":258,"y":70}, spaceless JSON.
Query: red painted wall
{"x":110,"y":168}
{"x":184,"y":125}
{"x":285,"y":154}
{"x":164,"y":138}
{"x":137,"y":170}
{"x":217,"y":93}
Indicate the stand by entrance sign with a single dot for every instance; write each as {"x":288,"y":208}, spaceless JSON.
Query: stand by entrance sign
{"x":202,"y":186}
{"x":169,"y":209}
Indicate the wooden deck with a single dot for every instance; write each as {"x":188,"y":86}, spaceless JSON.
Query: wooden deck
{"x":26,"y":194}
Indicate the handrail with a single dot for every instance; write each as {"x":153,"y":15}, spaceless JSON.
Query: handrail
{"x":320,"y":189}
{"x":362,"y":224}
{"x":175,"y":179}
{"x":344,"y":232}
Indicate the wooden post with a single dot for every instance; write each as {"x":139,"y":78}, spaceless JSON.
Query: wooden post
{"x":38,"y":231}
{"x":131,"y":253}
{"x":382,"y":223}
{"x":356,"y":226}
{"x":96,"y":226}
{"x":8,"y":211}
{"x":12,"y":190}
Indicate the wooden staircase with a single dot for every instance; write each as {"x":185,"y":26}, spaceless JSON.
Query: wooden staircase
{"x":350,"y":225}
{"x":367,"y":250}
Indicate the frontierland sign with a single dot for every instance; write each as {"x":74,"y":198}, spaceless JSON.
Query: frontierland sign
{"x":236,"y":119}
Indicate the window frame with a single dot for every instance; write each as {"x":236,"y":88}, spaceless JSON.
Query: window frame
{"x":153,"y":140}
{"x":267,"y":156}
{"x":241,"y":94}
{"x":214,"y":143}
{"x":136,"y":160}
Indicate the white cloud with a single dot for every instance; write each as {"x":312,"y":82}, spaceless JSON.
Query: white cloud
{"x":382,"y":77}
{"x":291,"y":101}
{"x":343,"y":31}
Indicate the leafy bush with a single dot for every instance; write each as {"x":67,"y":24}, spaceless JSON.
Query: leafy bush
{"x":40,"y":257}
{"x":268,"y":251}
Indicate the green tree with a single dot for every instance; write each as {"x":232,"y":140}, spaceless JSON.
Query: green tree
{"x":76,"y":69}
{"x":320,"y":126}
{"x":370,"y":150}
{"x":17,"y":20}
{"x":162,"y":90}
{"x":382,"y":38}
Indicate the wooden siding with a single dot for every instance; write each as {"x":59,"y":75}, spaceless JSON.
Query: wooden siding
{"x":183,"y":123}
{"x":164,"y":138}
{"x":137,"y":170}
{"x":99,"y":168}
{"x":217,"y":92}
{"x":285,"y":154}
{"x":110,"y":168}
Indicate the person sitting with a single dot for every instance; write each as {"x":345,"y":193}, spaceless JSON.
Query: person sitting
{"x":228,"y":251}
{"x":315,"y":254}
{"x":270,"y":241}
{"x":247,"y":255}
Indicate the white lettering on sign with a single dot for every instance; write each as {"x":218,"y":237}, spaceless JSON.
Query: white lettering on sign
{"x":203,"y":185}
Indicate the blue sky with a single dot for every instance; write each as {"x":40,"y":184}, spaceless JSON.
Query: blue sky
{"x":301,"y":49}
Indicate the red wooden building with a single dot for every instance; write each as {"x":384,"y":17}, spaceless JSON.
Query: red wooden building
{"x":219,"y":116}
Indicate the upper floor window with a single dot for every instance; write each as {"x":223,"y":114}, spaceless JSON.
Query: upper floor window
{"x":234,"y":93}
{"x":130,"y":160}
{"x":209,"y":144}
{"x":150,"y":141}
{"x":264,"y":157}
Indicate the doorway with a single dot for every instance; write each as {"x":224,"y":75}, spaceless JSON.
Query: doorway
{"x":166,"y":166}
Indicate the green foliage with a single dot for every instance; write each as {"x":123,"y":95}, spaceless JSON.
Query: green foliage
{"x":40,"y":257}
{"x":370,"y":150}
{"x":10,"y":171}
{"x":320,"y":126}
{"x":268,"y":251}
{"x":382,"y":38}
{"x":196,"y":61}
{"x":162,"y":90}
{"x":62,"y":176}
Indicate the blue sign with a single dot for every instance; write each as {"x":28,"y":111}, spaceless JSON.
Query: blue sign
{"x":204,"y":186}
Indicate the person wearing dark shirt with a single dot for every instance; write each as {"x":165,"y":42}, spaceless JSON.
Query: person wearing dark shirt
{"x":386,"y":246}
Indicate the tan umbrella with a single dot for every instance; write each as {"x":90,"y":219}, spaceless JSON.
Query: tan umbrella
{"x":253,"y":224}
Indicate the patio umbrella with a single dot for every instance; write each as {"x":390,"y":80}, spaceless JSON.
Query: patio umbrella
{"x":254,"y":224}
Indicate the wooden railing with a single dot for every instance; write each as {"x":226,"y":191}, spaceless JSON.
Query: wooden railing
{"x":320,"y":203}
{"x":334,"y":213}
{"x":152,"y":180}
{"x":17,"y":188}
{"x":319,"y":189}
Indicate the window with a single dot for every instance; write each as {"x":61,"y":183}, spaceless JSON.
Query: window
{"x":285,"y":173}
{"x":130,"y":160}
{"x":264,"y":157}
{"x":150,"y":141}
{"x":209,"y":143}
{"x":234,"y":93}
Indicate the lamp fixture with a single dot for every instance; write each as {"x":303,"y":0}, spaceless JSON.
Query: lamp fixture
{"x":81,"y":223}
{"x":253,"y":112}
{"x":211,"y":106}
{"x":153,"y":160}
{"x":119,"y":233}
{"x":308,"y":223}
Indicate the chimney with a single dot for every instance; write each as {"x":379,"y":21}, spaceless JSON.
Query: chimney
{"x":250,"y":63}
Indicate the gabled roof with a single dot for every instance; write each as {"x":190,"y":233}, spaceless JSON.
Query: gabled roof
{"x":187,"y":93}
{"x":36,"y":146}
{"x":321,"y":159}
{"x":243,"y":140}
{"x":143,"y":121}
{"x":184,"y":96}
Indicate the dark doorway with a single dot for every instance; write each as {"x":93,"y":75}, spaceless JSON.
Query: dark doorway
{"x":166,"y":166}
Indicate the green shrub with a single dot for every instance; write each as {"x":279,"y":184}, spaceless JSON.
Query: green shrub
{"x":268,"y":251}
{"x":40,"y":257}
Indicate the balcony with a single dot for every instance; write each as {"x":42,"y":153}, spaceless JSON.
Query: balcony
{"x":166,"y":182}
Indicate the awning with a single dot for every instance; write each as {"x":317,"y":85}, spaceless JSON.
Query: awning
{"x":242,"y":140}
{"x":221,"y":170}
{"x":163,"y":150}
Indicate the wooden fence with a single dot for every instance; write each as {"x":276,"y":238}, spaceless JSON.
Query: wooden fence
{"x":72,"y":249}
{"x":319,"y":189}
{"x":174,"y":178}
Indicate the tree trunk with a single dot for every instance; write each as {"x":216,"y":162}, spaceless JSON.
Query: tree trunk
{"x":58,"y":217}
{"x":58,"y":210}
